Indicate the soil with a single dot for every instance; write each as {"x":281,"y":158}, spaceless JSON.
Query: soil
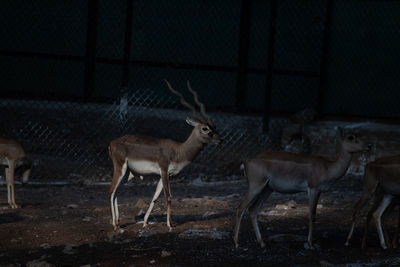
{"x":70,"y":225}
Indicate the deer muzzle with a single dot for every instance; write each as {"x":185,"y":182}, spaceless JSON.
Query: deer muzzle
{"x":368,"y":148}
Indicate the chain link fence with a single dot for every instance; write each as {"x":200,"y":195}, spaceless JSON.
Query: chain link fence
{"x":67,"y":58}
{"x":68,"y":142}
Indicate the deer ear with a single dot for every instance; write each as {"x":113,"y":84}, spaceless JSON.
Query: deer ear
{"x":192,"y":122}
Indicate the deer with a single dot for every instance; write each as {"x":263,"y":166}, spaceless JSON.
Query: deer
{"x":13,"y":157}
{"x":382,"y":206}
{"x":382,"y":180}
{"x":140,"y":155}
{"x":289,"y":173}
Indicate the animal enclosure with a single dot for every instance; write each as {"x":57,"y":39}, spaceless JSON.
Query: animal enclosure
{"x":281,"y":75}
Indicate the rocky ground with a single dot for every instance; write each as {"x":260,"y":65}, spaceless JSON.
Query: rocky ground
{"x":70,"y":225}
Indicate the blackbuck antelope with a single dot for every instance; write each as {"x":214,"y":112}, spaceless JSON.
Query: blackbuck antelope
{"x":286,"y":172}
{"x":382,"y":180}
{"x":140,"y":155}
{"x":13,"y":157}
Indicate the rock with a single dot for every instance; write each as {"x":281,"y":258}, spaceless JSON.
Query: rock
{"x":72,"y":206}
{"x":112,"y":234}
{"x":45,"y":245}
{"x":325,"y":264}
{"x":144,"y":234}
{"x":286,"y":238}
{"x":140,"y":204}
{"x":152,"y":261}
{"x":69,"y":249}
{"x":208,"y":213}
{"x":281,"y":207}
{"x":204,"y":234}
{"x":86,"y":219}
{"x":292,"y":204}
{"x":165,"y":253}
{"x":269,"y":213}
{"x":38,"y":263}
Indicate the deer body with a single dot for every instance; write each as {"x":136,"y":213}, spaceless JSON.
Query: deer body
{"x":143,"y":155}
{"x":382,"y":180}
{"x":286,"y":172}
{"x":141,"y":151}
{"x":12,"y":156}
{"x":293,"y":173}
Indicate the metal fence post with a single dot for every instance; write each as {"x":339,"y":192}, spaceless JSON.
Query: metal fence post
{"x":241,"y":82}
{"x":90,"y":54}
{"x":127,"y":43}
{"x":324,"y":57}
{"x":270,"y":66}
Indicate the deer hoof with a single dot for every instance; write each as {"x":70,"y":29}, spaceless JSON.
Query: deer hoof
{"x":308,"y":246}
{"x":236,"y":242}
{"x":14,"y":206}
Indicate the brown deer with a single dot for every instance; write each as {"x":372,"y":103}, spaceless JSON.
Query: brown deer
{"x":289,"y":173}
{"x":13,"y":157}
{"x":382,"y":179}
{"x":141,"y":155}
{"x":382,"y":206}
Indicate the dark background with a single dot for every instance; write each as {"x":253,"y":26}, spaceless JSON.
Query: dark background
{"x":339,"y":57}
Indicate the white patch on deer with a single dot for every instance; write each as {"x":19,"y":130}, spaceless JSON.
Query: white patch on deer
{"x":4,"y":161}
{"x":243,"y":169}
{"x":175,"y":167}
{"x":144,"y":167}
{"x":130,"y":177}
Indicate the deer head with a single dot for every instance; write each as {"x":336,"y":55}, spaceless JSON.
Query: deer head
{"x":203,"y":125}
{"x":352,"y":144}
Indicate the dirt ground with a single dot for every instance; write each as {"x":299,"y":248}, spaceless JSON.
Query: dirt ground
{"x":70,"y":225}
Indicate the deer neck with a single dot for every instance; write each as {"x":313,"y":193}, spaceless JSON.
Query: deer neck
{"x":189,"y":149}
{"x":339,"y":167}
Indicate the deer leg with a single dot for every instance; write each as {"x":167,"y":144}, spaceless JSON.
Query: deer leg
{"x":385,"y":228}
{"x":395,"y":240}
{"x":375,"y":205}
{"x":254,"y":209}
{"x":378,"y":218}
{"x":10,"y":177}
{"x":165,"y":181}
{"x":360,"y":203}
{"x":119,"y":173}
{"x":155,"y":197}
{"x":248,"y":199}
{"x":8,"y":188}
{"x":386,"y":235}
{"x":313,"y":200}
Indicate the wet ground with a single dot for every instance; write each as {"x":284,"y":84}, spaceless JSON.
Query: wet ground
{"x":70,"y":225}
